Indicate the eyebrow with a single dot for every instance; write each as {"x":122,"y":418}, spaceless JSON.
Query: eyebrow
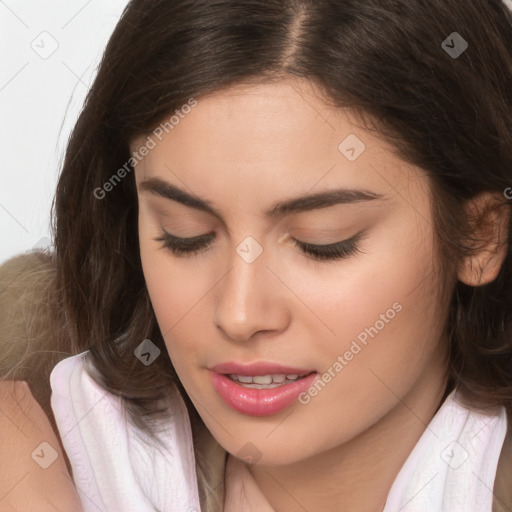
{"x":324,"y":199}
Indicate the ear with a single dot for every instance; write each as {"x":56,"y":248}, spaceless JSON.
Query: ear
{"x":489,"y":217}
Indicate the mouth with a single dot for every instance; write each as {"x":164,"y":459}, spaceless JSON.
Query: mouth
{"x":265,"y":381}
{"x":260,"y":390}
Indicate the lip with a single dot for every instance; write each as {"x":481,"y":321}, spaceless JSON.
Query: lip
{"x":259,"y":368}
{"x":260,"y":402}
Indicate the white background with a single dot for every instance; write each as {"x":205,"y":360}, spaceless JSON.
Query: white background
{"x":40,"y":98}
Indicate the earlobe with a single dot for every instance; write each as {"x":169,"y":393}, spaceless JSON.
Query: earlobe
{"x":489,"y":215}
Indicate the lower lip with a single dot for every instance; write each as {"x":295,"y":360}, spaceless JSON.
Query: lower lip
{"x":259,"y":402}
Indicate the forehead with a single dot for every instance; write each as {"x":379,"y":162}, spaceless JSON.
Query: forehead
{"x":255,"y":114}
{"x":268,"y":139}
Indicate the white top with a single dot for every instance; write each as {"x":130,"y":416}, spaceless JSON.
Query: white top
{"x":116,"y":468}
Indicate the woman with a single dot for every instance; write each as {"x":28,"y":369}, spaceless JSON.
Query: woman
{"x":296,"y":215}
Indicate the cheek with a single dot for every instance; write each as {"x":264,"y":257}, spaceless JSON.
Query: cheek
{"x":178,"y":300}
{"x":377,"y":309}
{"x":395,"y":272}
{"x":384,"y":318}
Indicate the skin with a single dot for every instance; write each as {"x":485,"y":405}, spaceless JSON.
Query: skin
{"x":244,"y":149}
{"x":24,"y":484}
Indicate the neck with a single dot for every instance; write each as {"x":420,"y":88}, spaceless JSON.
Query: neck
{"x":357,"y":475}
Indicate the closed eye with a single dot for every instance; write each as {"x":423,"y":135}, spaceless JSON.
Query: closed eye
{"x":190,"y":246}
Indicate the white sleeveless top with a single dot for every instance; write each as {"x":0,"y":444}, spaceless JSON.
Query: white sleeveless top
{"x":116,"y":468}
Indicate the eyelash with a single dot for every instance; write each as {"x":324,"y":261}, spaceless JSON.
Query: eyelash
{"x":331,"y":252}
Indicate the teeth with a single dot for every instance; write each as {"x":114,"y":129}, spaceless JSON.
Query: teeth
{"x":264,"y":381}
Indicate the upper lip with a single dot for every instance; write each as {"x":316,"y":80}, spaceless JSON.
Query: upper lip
{"x":258,"y":368}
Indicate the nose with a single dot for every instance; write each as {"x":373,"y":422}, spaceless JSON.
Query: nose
{"x":250,"y":301}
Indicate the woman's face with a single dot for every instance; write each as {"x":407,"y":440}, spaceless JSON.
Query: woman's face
{"x":364,"y":326}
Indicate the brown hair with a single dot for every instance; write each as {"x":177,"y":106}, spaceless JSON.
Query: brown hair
{"x":384,"y":60}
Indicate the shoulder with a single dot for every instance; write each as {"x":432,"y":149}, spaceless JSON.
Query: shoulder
{"x":31,"y":439}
